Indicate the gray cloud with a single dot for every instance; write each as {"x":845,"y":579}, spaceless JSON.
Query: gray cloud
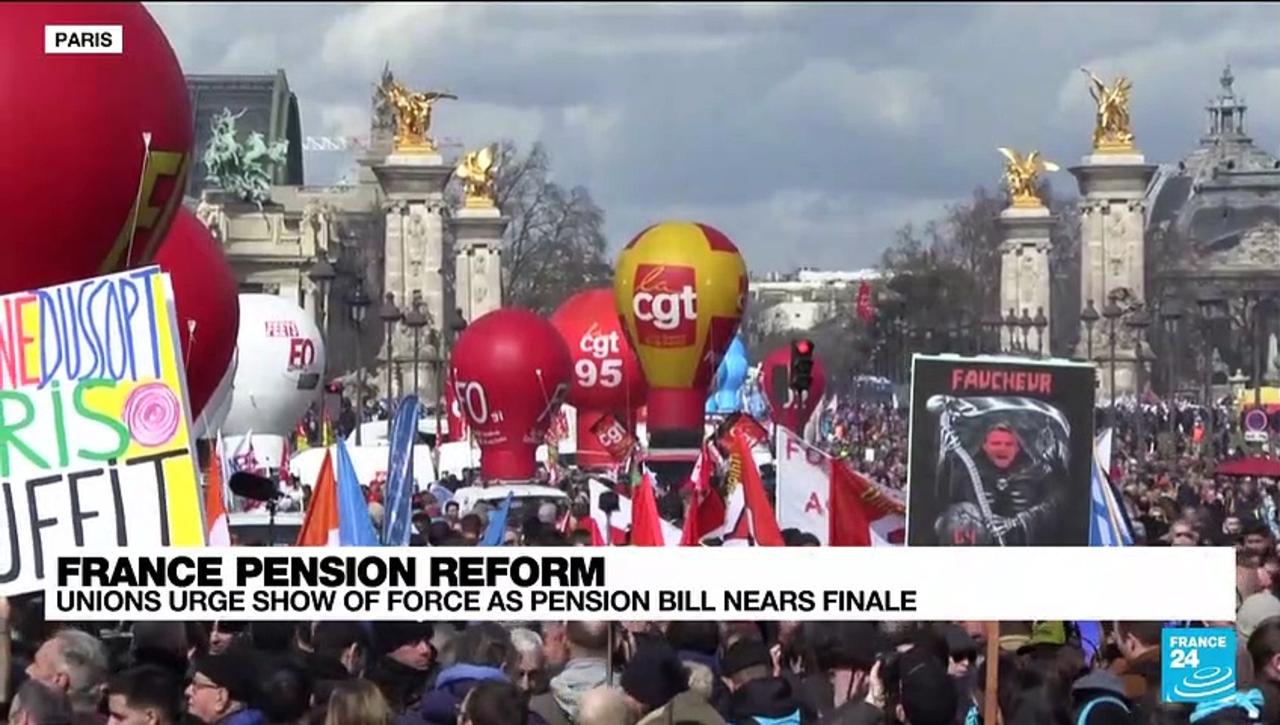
{"x":807,"y":133}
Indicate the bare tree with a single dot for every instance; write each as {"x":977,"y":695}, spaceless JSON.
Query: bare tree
{"x":555,"y":243}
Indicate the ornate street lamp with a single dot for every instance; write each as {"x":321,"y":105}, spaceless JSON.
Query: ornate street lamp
{"x":415,"y":319}
{"x":357,"y":307}
{"x":1089,"y":316}
{"x":322,"y":275}
{"x":1170,"y":314}
{"x":1210,"y":304}
{"x":1112,"y":314}
{"x":390,"y":315}
{"x":1138,"y":321}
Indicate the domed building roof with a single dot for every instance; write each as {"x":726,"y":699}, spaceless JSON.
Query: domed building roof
{"x":1216,"y":213}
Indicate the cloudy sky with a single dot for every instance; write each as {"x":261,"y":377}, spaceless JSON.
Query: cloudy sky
{"x":806,"y":133}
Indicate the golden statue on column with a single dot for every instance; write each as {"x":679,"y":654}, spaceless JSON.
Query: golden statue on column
{"x":477,"y":170}
{"x":412,"y":112}
{"x":1022,"y":176}
{"x":1112,"y":132}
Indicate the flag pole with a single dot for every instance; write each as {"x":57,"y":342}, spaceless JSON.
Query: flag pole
{"x":991,"y":700}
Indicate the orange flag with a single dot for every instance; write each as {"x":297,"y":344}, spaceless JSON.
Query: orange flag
{"x":216,"y":528}
{"x":320,"y":527}
{"x":646,"y":524}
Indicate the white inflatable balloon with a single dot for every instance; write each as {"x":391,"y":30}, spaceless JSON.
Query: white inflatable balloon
{"x":280,"y":366}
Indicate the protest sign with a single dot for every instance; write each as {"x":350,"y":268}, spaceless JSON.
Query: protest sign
{"x":825,"y":497}
{"x":94,"y":423}
{"x":1000,"y":452}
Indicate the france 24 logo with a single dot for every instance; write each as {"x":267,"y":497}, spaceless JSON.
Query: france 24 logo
{"x":1197,"y":664}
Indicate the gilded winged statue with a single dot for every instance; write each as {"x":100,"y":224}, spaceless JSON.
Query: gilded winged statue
{"x":412,"y":111}
{"x":1021,"y":174}
{"x":1111,"y":129}
{"x":477,"y":170}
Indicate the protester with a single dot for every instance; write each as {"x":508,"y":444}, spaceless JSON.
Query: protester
{"x":222,"y":688}
{"x":36,"y":703}
{"x":406,"y":656}
{"x":483,"y":653}
{"x":144,"y":695}
{"x":493,"y":702}
{"x":587,"y":667}
{"x":74,"y":663}
{"x":758,"y":695}
{"x":358,"y":702}
{"x":605,"y":705}
{"x":531,"y":663}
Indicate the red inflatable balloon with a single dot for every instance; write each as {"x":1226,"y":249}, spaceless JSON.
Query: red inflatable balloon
{"x":86,"y":139}
{"x":607,"y":378}
{"x":790,"y":412}
{"x":511,"y":372}
{"x":208,"y":304}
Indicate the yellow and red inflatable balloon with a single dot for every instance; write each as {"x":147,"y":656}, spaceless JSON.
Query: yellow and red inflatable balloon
{"x":680,"y":289}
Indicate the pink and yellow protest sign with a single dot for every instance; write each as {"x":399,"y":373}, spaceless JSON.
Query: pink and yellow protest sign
{"x":95,"y":447}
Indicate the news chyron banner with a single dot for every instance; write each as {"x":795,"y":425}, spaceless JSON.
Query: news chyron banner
{"x":624,"y":583}
{"x":1000,"y":452}
{"x":94,"y":423}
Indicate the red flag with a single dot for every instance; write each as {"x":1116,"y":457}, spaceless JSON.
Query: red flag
{"x":320,"y":527}
{"x":457,"y":424}
{"x":706,"y":510}
{"x":646,"y":525}
{"x":614,"y":436}
{"x":846,"y":518}
{"x":763,"y":523}
{"x":866,"y":309}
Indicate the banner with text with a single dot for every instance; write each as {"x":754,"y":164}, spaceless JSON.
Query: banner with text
{"x":94,"y":423}
{"x":1000,"y":452}
{"x":643,"y":583}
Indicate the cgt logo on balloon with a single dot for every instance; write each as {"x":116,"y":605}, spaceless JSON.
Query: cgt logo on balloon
{"x":604,"y":367}
{"x":665,"y":303}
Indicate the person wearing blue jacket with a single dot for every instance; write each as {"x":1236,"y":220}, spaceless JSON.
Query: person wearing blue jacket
{"x":483,"y":653}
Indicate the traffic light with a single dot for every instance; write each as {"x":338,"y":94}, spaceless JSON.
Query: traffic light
{"x":801,"y":365}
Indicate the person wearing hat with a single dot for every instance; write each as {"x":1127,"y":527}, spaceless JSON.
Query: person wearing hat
{"x":404,"y":661}
{"x":222,"y":690}
{"x":653,"y":677}
{"x":758,"y":697}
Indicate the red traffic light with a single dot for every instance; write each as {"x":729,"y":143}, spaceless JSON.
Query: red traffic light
{"x":804,"y":347}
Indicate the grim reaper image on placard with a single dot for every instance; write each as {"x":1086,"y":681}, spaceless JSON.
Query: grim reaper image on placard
{"x":1002,"y":471}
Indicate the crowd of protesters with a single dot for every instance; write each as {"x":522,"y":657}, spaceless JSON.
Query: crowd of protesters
{"x":592,"y":673}
{"x":582,"y":673}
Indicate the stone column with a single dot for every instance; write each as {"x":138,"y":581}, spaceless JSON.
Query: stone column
{"x":1112,"y":255}
{"x":478,"y":260}
{"x":1024,"y":270}
{"x":413,"y":185}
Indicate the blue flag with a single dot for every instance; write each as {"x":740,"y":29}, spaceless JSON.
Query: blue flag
{"x":497,"y":530}
{"x":442,"y":494}
{"x":354,"y":526}
{"x":1108,"y":523}
{"x":397,"y":497}
{"x":1108,"y":526}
